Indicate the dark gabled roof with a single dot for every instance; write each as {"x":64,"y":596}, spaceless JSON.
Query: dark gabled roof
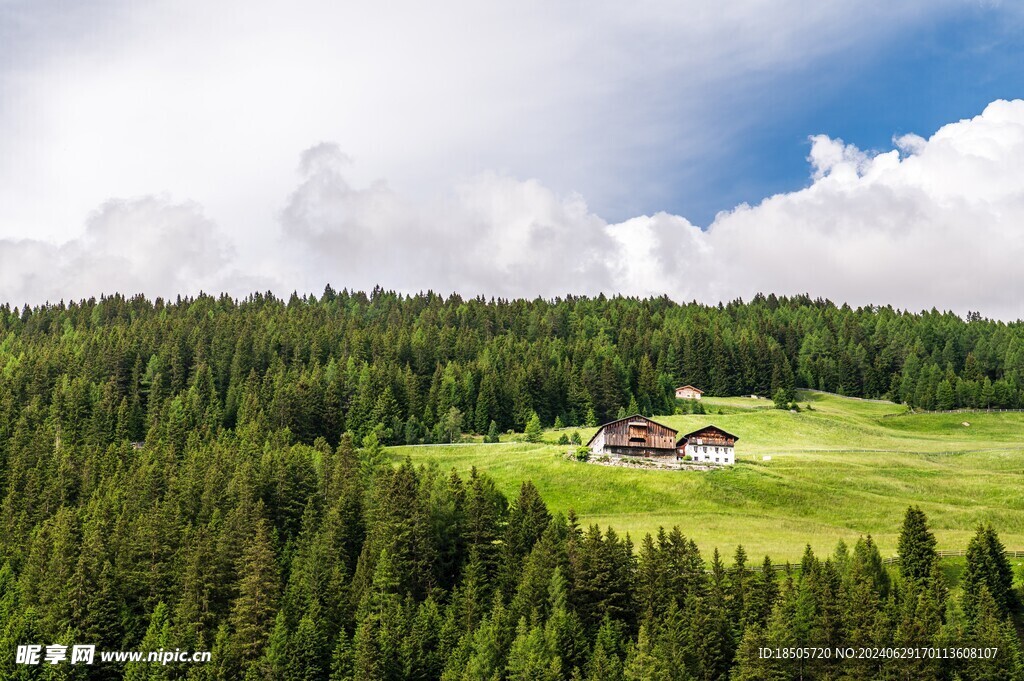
{"x":692,"y":387}
{"x":701,"y":430}
{"x":627,"y":418}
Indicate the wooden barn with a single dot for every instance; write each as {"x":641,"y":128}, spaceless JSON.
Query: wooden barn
{"x":634,"y":436}
{"x":710,"y":444}
{"x":688,"y":392}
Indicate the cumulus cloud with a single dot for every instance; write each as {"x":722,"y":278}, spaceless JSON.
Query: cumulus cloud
{"x":935,"y":222}
{"x":941,"y":226}
{"x":148,"y":244}
{"x":492,"y":234}
{"x":932,"y":223}
{"x":211,"y":100}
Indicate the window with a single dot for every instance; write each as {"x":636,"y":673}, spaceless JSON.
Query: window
{"x":716,"y":459}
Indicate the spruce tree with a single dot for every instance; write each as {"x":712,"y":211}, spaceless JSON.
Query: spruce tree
{"x":309,"y":652}
{"x":527,"y":520}
{"x":533,"y":429}
{"x":605,"y":663}
{"x":341,"y":659}
{"x":916,"y":546}
{"x":987,"y":568}
{"x":492,"y":433}
{"x":529,"y":657}
{"x":252,"y":613}
{"x":641,"y":657}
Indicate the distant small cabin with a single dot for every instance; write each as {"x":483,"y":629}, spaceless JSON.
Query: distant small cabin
{"x":688,"y":392}
{"x":710,"y":444}
{"x":634,"y":436}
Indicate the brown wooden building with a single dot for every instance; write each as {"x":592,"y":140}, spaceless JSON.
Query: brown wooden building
{"x":710,"y":444}
{"x":634,"y":436}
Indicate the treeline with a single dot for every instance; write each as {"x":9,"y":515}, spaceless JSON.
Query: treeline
{"x":304,"y":563}
{"x":424,"y":368}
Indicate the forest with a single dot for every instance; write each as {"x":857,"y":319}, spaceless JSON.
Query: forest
{"x":209,"y":474}
{"x":414,"y":369}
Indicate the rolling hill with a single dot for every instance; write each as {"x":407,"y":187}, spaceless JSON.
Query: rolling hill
{"x":844,"y":468}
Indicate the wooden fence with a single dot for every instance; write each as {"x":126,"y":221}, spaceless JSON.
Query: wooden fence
{"x":891,"y":560}
{"x":911,"y":412}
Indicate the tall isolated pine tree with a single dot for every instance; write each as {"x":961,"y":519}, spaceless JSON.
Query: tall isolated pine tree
{"x":916,"y":546}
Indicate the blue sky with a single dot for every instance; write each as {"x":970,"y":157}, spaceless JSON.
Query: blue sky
{"x":923,"y":78}
{"x":514,"y":149}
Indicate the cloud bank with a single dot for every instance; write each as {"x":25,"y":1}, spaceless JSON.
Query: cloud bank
{"x":148,"y":244}
{"x":212,"y":101}
{"x":935,"y":222}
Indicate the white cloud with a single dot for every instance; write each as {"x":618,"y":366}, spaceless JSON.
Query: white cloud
{"x":941,"y":226}
{"x":492,"y":234}
{"x":832,"y":155}
{"x":149,"y":245}
{"x":212,"y":100}
{"x":932,"y":223}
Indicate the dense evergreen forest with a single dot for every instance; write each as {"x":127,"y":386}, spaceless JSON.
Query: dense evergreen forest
{"x":209,"y":474}
{"x":398,"y":366}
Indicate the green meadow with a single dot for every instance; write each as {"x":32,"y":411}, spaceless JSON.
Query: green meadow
{"x":842,"y":469}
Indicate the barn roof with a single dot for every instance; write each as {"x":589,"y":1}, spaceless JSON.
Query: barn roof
{"x":628,"y":418}
{"x":705,"y":428}
{"x":691,"y":387}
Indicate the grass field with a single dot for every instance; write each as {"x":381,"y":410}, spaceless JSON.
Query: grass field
{"x":846,"y":468}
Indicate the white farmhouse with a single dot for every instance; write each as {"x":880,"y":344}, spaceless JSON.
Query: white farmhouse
{"x":710,"y":444}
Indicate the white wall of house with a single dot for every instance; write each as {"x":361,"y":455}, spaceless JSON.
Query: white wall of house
{"x":711,"y":454}
{"x":687,"y":394}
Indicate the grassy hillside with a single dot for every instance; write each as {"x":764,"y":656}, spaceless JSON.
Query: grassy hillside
{"x":845,"y":468}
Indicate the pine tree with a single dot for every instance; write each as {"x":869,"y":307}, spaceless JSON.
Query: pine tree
{"x":423,"y":652}
{"x":158,"y":637}
{"x":310,"y":652}
{"x":492,"y":433}
{"x":944,"y":396}
{"x":987,"y":568}
{"x":367,"y":663}
{"x":529,"y":657}
{"x":534,"y":429}
{"x":487,"y":404}
{"x":489,"y":647}
{"x":675,"y":645}
{"x":762,"y":595}
{"x":641,"y":658}
{"x":750,"y":664}
{"x":527,"y":520}
{"x":341,"y":659}
{"x":916,"y":546}
{"x":252,"y":613}
{"x":991,"y":630}
{"x":868,"y":560}
{"x":563,"y":633}
{"x":605,"y":663}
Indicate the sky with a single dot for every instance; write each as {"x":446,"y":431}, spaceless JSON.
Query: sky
{"x":870,"y":152}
